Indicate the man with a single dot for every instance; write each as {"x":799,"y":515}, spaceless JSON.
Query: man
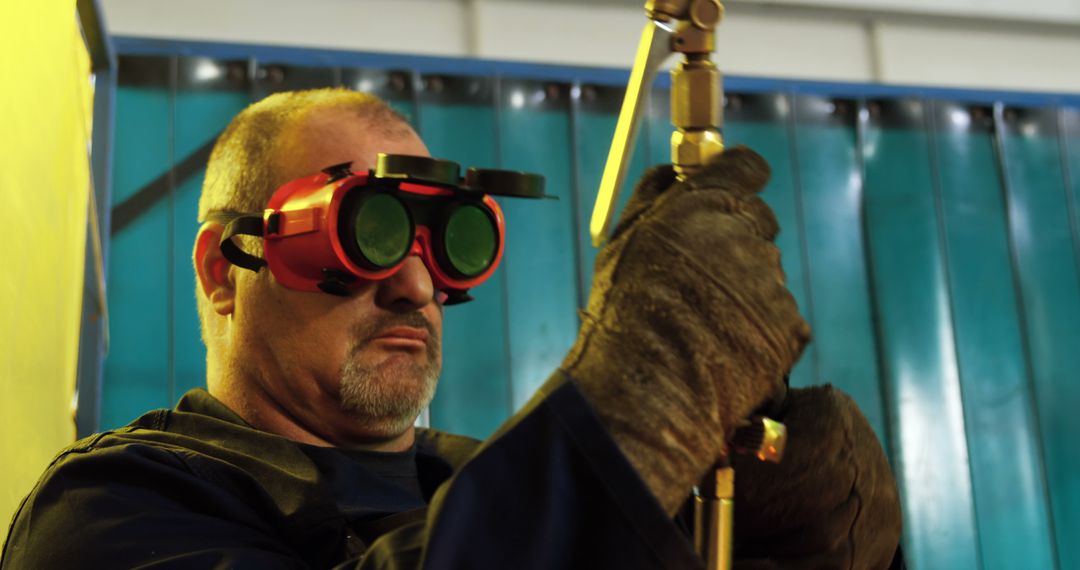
{"x":303,"y":452}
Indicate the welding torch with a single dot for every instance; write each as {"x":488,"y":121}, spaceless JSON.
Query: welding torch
{"x":687,"y":27}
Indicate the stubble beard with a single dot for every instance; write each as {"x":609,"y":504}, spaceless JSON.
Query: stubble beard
{"x":387,"y":397}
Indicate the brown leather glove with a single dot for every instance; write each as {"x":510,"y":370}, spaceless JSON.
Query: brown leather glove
{"x":831,"y":503}
{"x":689,"y":327}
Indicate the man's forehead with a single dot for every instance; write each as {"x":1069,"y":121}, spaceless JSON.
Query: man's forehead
{"x":325,"y":137}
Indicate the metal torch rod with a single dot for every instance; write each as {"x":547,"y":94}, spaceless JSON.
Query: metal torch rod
{"x":714,"y":518}
{"x":687,"y":27}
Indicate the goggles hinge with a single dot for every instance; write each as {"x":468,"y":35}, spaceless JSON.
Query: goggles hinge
{"x":338,"y":171}
{"x":273,"y":224}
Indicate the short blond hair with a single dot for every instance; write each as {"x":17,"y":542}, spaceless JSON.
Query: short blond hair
{"x":242,"y":174}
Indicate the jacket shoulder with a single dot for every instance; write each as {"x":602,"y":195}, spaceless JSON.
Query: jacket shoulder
{"x":165,"y":471}
{"x":455,"y":449}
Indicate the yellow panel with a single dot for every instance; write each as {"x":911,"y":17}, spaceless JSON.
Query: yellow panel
{"x":45,"y":108}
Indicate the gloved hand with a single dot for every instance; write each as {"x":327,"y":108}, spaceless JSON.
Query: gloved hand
{"x":689,"y":327}
{"x":831,"y":503}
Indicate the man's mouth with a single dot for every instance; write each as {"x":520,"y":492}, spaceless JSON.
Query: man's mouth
{"x":402,"y":338}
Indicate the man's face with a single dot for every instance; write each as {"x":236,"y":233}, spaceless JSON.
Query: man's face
{"x":351,"y":370}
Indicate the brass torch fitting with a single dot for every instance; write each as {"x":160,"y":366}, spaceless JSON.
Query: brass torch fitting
{"x":666,"y":10}
{"x":696,"y":113}
{"x":704,"y":14}
{"x":695,"y":94}
{"x":692,"y":149}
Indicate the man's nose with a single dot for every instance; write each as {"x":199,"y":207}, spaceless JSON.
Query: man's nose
{"x":409,"y":289}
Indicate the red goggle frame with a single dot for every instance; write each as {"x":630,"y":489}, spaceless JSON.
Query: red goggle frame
{"x":307,"y":223}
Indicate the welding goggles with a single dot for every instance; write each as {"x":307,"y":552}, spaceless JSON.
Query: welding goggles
{"x":335,"y":230}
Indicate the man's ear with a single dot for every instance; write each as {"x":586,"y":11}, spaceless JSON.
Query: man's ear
{"x":214,"y":271}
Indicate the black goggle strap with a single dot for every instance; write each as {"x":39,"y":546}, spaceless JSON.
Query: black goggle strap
{"x":248,"y":225}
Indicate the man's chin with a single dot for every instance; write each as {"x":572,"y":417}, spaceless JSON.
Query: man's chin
{"x":388,"y":400}
{"x":371,"y":431}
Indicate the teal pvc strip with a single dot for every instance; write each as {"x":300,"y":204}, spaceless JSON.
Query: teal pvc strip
{"x":1005,"y":457}
{"x":1070,"y":146}
{"x":831,"y":191}
{"x":659,"y":127}
{"x":136,"y":368}
{"x":540,"y":264}
{"x":406,"y":108}
{"x":914,"y":324}
{"x":207,"y":98}
{"x":473,"y":397}
{"x":597,"y":113}
{"x":762,"y":122}
{"x":1044,"y":259}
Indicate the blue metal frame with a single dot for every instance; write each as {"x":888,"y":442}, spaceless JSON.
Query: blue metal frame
{"x":129,"y":45}
{"x":94,"y":331}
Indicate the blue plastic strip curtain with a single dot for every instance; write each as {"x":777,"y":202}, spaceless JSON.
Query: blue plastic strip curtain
{"x":657,"y":131}
{"x":474,"y":390}
{"x":1064,"y":393}
{"x":827,"y":160}
{"x":764,"y":122}
{"x":208,"y":94}
{"x":596,"y":110}
{"x":540,"y":260}
{"x":138,"y":367}
{"x":1044,"y":253}
{"x":915,"y":334}
{"x":1007,"y":478}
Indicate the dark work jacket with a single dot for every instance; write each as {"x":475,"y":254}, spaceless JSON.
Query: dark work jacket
{"x":196,"y":487}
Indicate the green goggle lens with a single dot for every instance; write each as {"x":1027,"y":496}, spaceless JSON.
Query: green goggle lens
{"x":383,"y":231}
{"x":470,"y":240}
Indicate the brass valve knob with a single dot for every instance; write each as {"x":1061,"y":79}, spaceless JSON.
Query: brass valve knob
{"x":762,"y":437}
